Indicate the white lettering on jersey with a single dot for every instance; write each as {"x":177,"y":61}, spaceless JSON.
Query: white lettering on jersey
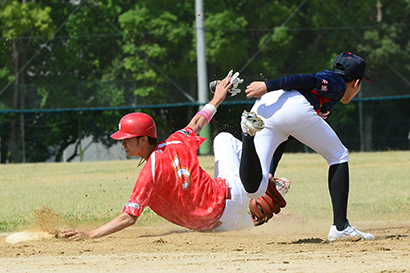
{"x":182,"y":173}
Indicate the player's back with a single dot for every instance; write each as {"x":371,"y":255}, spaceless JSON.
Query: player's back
{"x":184,"y":193}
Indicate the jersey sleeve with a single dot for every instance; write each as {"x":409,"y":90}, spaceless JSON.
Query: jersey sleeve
{"x":295,"y":82}
{"x":326,"y":84}
{"x":323,"y":89}
{"x":142,"y":192}
{"x":188,"y":136}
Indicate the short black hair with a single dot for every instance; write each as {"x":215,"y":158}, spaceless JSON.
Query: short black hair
{"x":152,"y":141}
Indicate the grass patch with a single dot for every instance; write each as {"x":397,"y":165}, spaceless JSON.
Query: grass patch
{"x":93,"y":193}
{"x":379,"y":188}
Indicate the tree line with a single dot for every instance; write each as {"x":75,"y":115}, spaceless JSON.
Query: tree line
{"x":68,"y":54}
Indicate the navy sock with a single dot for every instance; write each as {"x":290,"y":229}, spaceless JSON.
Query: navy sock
{"x":277,"y":156}
{"x":250,"y":169}
{"x":339,"y":193}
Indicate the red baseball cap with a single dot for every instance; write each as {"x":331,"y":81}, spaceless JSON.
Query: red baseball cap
{"x":135,"y":124}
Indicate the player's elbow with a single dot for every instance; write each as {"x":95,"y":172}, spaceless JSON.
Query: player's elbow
{"x":128,"y":219}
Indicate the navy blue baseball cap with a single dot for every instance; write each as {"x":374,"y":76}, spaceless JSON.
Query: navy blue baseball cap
{"x":353,"y":66}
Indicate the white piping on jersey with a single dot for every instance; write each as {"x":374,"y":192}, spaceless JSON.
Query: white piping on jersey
{"x":153,"y":166}
{"x":133,"y":205}
{"x":153,"y":156}
{"x":168,"y":143}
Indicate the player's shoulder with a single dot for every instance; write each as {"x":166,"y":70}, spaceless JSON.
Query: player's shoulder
{"x":182,"y":139}
{"x":328,"y":75}
{"x":178,"y":137}
{"x":331,"y":79}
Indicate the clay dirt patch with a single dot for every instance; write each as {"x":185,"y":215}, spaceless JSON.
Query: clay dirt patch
{"x":284,"y":244}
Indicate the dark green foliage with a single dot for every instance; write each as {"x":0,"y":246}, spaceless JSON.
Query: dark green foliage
{"x":118,"y":53}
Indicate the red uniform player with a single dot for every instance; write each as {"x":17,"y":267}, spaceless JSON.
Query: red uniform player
{"x":175,"y":187}
{"x":173,"y":184}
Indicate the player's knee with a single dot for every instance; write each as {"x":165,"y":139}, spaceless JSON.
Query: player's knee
{"x":340,"y":156}
{"x":220,"y":139}
{"x":223,"y":137}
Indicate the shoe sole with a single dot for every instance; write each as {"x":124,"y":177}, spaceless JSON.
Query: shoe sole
{"x":258,"y":123}
{"x":252,"y":122}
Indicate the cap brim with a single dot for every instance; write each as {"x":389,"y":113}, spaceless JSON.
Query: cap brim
{"x":120,"y":135}
{"x":342,"y":72}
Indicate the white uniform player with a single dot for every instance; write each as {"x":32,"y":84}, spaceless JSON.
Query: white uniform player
{"x":298,"y":107}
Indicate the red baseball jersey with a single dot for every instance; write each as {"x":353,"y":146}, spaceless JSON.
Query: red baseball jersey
{"x":175,"y":187}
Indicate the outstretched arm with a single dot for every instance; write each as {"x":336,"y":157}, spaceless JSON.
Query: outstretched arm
{"x":202,"y":118}
{"x":120,"y":222}
{"x":298,"y":82}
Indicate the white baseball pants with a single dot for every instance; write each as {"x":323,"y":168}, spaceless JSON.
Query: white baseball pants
{"x":288,"y":113}
{"x":227,"y":151}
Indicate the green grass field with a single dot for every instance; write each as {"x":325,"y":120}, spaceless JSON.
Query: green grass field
{"x":94,"y":193}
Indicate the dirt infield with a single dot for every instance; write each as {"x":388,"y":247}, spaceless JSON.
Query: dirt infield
{"x":286,"y":243}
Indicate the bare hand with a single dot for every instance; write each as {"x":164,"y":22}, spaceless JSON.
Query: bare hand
{"x":75,"y":234}
{"x":221,"y":91}
{"x":256,"y":90}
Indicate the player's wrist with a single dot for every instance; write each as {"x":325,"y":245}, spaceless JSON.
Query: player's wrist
{"x":208,"y":111}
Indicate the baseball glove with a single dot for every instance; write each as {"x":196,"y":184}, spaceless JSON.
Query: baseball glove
{"x":263,"y":208}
